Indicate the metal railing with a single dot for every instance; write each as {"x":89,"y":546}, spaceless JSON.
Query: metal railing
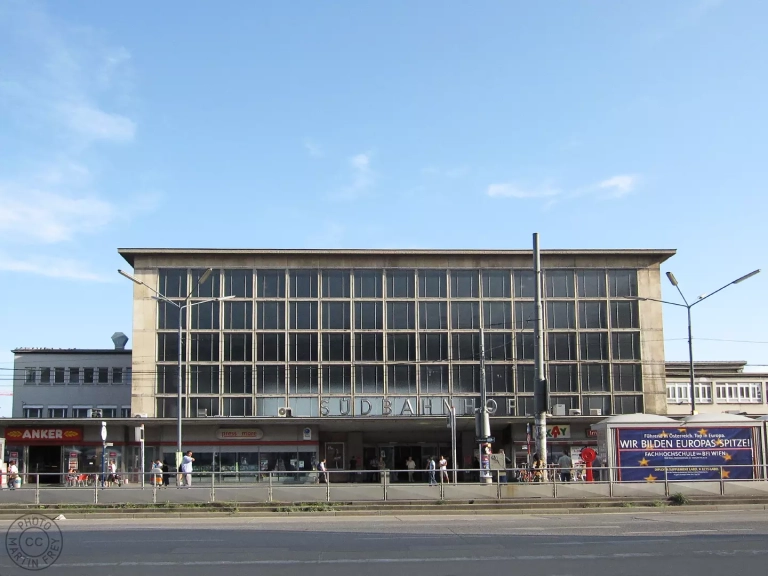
{"x":384,"y":485}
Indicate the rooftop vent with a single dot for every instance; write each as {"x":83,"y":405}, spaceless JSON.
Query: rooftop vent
{"x":120,"y":340}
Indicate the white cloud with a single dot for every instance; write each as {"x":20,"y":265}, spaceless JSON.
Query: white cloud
{"x":313,"y":149}
{"x":619,"y":186}
{"x":95,"y":124}
{"x":363,"y":177}
{"x":52,"y":268}
{"x":509,"y":190}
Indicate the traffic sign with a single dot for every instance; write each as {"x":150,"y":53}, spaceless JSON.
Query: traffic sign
{"x":490,"y":439}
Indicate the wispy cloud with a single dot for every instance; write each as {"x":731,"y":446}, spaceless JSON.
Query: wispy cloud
{"x":614,"y":187}
{"x":52,"y":268}
{"x":362,"y":176}
{"x":96,"y":124}
{"x":313,"y":149}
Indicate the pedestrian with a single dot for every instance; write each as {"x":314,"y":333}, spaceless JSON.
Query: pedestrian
{"x":186,"y":469}
{"x":538,"y":468}
{"x":505,"y":462}
{"x":566,"y":465}
{"x":410,"y":464}
{"x":444,"y":469}
{"x":156,"y":474}
{"x":431,"y":470}
{"x":13,"y":473}
{"x":323,"y":470}
{"x":166,"y":473}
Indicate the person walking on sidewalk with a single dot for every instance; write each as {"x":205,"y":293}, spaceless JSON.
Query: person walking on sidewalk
{"x":186,"y":469}
{"x":431,"y":470}
{"x":410,"y":464}
{"x":444,"y":470}
{"x":566,"y":465}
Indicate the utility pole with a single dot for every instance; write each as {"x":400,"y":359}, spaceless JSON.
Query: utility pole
{"x":484,"y":424}
{"x":541,"y":399}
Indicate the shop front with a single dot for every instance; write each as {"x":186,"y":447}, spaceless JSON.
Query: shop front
{"x":44,"y":451}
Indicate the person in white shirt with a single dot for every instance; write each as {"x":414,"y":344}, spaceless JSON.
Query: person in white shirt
{"x":410,"y":464}
{"x":186,"y":469}
{"x":431,"y":470}
{"x":444,"y":470}
{"x":13,"y":473}
{"x":323,"y":471}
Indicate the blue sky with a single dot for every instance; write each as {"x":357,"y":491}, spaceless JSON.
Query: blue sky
{"x":378,"y":124}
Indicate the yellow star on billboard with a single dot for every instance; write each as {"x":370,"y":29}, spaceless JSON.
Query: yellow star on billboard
{"x":650,"y":478}
{"x":643,"y":462}
{"x":663,"y":434}
{"x":703,"y":432}
{"x":719,"y":442}
{"x":725,"y":474}
{"x":683,"y":430}
{"x":727,"y":457}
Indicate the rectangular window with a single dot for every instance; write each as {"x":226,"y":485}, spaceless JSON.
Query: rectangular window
{"x":57,"y":412}
{"x":270,"y":380}
{"x":739,"y":393}
{"x":434,"y":379}
{"x":526,"y":378}
{"x":303,"y":284}
{"x":205,"y":316}
{"x":591,"y":283}
{"x":561,"y":315}
{"x":525,"y":343}
{"x":238,"y":347}
{"x":525,"y":284}
{"x":337,"y":380}
{"x":336,"y":316}
{"x":627,"y":378}
{"x":238,"y":407}
{"x":172,"y":282}
{"x":624,"y":314}
{"x":103,"y":375}
{"x":303,"y":379}
{"x":368,"y":284}
{"x":498,"y":346}
{"x":336,"y":348}
{"x":433,"y":315}
{"x":432,"y":284}
{"x":239,"y":315}
{"x":369,"y":347}
{"x":401,"y":284}
{"x":626,"y":345}
{"x":434,"y":346}
{"x":401,"y":347}
{"x":559,"y":283}
{"x":465,"y":284}
{"x":304,"y":315}
{"x":369,"y":379}
{"x":74,"y":375}
{"x":499,"y":378}
{"x":602,"y":403}
{"x":238,"y":379}
{"x":167,"y":348}
{"x":497,"y":315}
{"x":88,"y":375}
{"x":369,"y":316}
{"x":466,"y":378}
{"x":303,"y":348}
{"x":238,"y":283}
{"x":525,"y":315}
{"x":33,"y":412}
{"x":58,"y":375}
{"x":117,"y":375}
{"x":595,"y":378}
{"x":30,"y":376}
{"x":594,"y":346}
{"x":466,"y":346}
{"x":465,"y":315}
{"x":271,"y":315}
{"x":270,"y":347}
{"x":80,"y":411}
{"x":108,"y":411}
{"x":270,"y":284}
{"x":593,"y":315}
{"x":168,"y":316}
{"x":402,"y":379}
{"x":125,"y":412}
{"x":622,"y":283}
{"x":562,"y":346}
{"x":204,"y":379}
{"x":525,"y":405}
{"x":128,"y":377}
{"x":45,"y":375}
{"x":497,"y":284}
{"x":201,"y":407}
{"x":627,"y":404}
{"x":401,"y":315}
{"x":335,"y":283}
{"x":205,"y":347}
{"x":563,"y":378}
{"x":211,"y":288}
{"x":568,"y":402}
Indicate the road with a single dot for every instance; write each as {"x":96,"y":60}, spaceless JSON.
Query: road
{"x":642,"y":543}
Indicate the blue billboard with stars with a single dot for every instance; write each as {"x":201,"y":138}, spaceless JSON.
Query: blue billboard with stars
{"x":643,"y":454}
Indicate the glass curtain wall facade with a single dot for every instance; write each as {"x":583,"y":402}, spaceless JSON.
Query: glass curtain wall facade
{"x":338,"y":342}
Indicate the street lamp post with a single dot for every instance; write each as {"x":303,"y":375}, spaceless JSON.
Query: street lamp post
{"x":182,"y":308}
{"x":688,"y":307}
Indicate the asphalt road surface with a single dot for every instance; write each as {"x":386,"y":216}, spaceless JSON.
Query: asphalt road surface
{"x":679,"y":544}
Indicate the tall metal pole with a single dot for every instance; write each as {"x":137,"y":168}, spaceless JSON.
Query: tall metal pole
{"x":182,"y":311}
{"x":485,"y":422}
{"x":541,"y":398}
{"x":453,"y":442}
{"x":690,"y":362}
{"x":142,"y":455}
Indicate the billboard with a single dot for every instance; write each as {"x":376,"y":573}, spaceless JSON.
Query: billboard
{"x":686,"y":453}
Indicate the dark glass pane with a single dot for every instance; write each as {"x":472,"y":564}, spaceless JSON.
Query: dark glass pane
{"x":623,"y":283}
{"x":563,"y":378}
{"x":434,"y":346}
{"x":205,"y":379}
{"x":168,"y":316}
{"x":400,"y":284}
{"x":497,"y":315}
{"x":498,"y":347}
{"x":238,"y":407}
{"x":466,"y":378}
{"x":433,"y":315}
{"x":303,"y":284}
{"x":303,"y":379}
{"x":270,"y":283}
{"x":402,"y":379}
{"x":238,"y":379}
{"x":173,"y":282}
{"x":465,"y":284}
{"x":270,"y":380}
{"x":434,"y":379}
{"x":335,"y":283}
{"x":466,"y":346}
{"x":369,"y":380}
{"x":525,"y":284}
{"x":562,"y":346}
{"x":601,"y":403}
{"x":303,"y":348}
{"x":626,"y":345}
{"x":526,"y":378}
{"x":595,"y":378}
{"x":337,"y":380}
{"x":594,"y":346}
{"x":167,"y":351}
{"x":497,"y":284}
{"x":559,"y":283}
{"x":205,"y":347}
{"x":369,"y":316}
{"x":368,"y":284}
{"x":238,"y":347}
{"x":205,"y":316}
{"x":628,"y":404}
{"x":525,"y":316}
{"x":499,"y":378}
{"x":593,"y":315}
{"x":271,"y":315}
{"x":561,"y":315}
{"x":238,"y":315}
{"x":627,"y":378}
{"x":465,"y":315}
{"x":304,"y":315}
{"x":401,"y":347}
{"x":270,"y":347}
{"x":525,"y":406}
{"x":211,"y":288}
{"x":591,"y":283}
{"x":401,"y":315}
{"x":336,"y":316}
{"x":336,"y":348}
{"x":525,"y":343}
{"x":432,"y":284}
{"x":624,"y":314}
{"x":369,"y":347}
{"x":238,"y":283}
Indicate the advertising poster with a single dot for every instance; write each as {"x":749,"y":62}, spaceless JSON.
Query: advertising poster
{"x":687,"y":453}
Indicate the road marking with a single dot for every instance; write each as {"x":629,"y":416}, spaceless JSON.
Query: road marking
{"x":661,"y":532}
{"x":124,"y":541}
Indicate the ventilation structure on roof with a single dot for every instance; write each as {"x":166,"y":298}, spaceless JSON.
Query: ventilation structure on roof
{"x":120,"y":340}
